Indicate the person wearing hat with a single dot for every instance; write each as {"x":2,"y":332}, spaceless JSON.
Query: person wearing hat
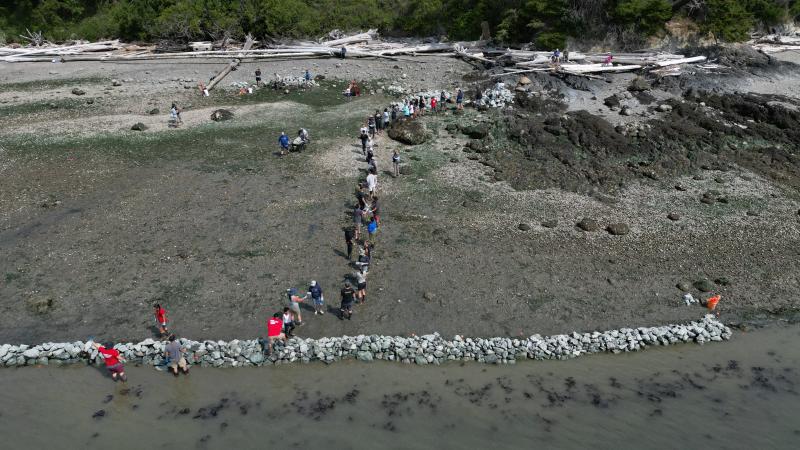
{"x":315,"y":291}
{"x":294,"y":304}
{"x":348,"y":297}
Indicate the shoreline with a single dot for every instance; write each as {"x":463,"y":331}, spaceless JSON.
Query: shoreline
{"x":420,"y":350}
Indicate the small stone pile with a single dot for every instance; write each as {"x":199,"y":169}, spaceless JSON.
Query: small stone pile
{"x":292,"y":82}
{"x":428,"y":349}
{"x":498,"y":96}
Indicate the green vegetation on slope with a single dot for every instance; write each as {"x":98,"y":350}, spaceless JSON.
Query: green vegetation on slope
{"x":548,"y":23}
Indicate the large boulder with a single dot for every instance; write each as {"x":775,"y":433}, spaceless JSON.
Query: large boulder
{"x":221,"y":115}
{"x":476,"y":131}
{"x":411,"y":132}
{"x":639,"y":84}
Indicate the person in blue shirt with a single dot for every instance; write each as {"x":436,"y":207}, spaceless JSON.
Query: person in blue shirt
{"x":307,"y":75}
{"x":284,"y":141}
{"x":315,"y":291}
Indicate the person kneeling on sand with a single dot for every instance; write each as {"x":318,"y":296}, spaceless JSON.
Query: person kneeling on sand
{"x":174,"y":354}
{"x":113,"y":360}
{"x":274,"y":331}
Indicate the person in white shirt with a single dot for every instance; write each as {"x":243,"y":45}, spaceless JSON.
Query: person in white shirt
{"x":372,"y":182}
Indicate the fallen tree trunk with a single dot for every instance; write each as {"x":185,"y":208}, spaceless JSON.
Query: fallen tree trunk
{"x":232,"y":65}
{"x":356,"y":39}
{"x":675,"y":62}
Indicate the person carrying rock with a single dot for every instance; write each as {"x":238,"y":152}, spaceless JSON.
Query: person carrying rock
{"x":358,"y":217}
{"x":294,"y":304}
{"x":364,"y":258}
{"x":283,"y":140}
{"x":274,"y":331}
{"x":113,"y":360}
{"x":371,"y":125}
{"x":364,"y":136}
{"x":315,"y":291}
{"x":372,"y":182}
{"x":349,"y":238}
{"x":288,"y":322}
{"x":173,"y":352}
{"x":348,"y":297}
{"x":361,"y":286}
{"x":378,"y":121}
{"x":161,"y":319}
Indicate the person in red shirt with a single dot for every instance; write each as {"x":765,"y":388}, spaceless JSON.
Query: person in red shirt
{"x":274,"y":331}
{"x":433,"y":103}
{"x":161,"y":319}
{"x":113,"y":361}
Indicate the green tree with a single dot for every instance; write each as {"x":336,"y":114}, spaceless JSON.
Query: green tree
{"x":646,"y":16}
{"x":728,"y":20}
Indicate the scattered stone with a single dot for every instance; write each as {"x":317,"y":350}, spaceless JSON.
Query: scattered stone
{"x":722,"y":281}
{"x":524,"y":227}
{"x":405,"y":170}
{"x":139,"y":126}
{"x":588,"y":225}
{"x":99,"y":414}
{"x":89,"y":101}
{"x":550,"y":223}
{"x":524,"y":81}
{"x":618,"y":229}
{"x":674,"y":217}
{"x":78,"y":91}
{"x":429,"y":296}
{"x":680,"y":187}
{"x":639,"y":84}
{"x":612,"y":101}
{"x":153,"y":111}
{"x":703,"y":285}
{"x":683,"y":286}
{"x":116,"y":82}
{"x":41,"y":306}
{"x":221,"y":115}
{"x":665,"y":108}
{"x":626,"y":111}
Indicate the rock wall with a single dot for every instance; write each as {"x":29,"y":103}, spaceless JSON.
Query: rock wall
{"x":429,"y":349}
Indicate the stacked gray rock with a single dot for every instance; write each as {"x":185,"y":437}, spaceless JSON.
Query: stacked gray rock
{"x":498,"y":96}
{"x":428,"y":349}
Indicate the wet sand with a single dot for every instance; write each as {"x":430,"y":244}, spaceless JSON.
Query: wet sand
{"x":738,"y":394}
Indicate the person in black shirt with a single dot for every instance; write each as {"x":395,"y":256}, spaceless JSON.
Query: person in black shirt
{"x":349,"y":239}
{"x":258,"y":77}
{"x":348,"y":298}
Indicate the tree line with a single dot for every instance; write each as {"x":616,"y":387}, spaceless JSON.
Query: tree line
{"x":546,"y":23}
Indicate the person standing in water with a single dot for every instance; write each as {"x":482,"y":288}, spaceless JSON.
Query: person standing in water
{"x":113,"y":360}
{"x":174,"y":354}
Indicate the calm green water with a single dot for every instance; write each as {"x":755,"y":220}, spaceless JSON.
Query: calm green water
{"x":739,"y":394}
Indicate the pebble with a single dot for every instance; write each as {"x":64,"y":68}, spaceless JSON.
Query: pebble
{"x":422,"y":350}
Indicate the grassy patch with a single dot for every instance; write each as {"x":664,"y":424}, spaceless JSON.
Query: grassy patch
{"x":60,"y":105}
{"x":47,"y":84}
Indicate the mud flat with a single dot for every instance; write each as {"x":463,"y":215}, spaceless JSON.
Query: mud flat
{"x":559,"y":214}
{"x":737,"y":394}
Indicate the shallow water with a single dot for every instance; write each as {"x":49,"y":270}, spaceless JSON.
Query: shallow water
{"x":737,"y":394}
